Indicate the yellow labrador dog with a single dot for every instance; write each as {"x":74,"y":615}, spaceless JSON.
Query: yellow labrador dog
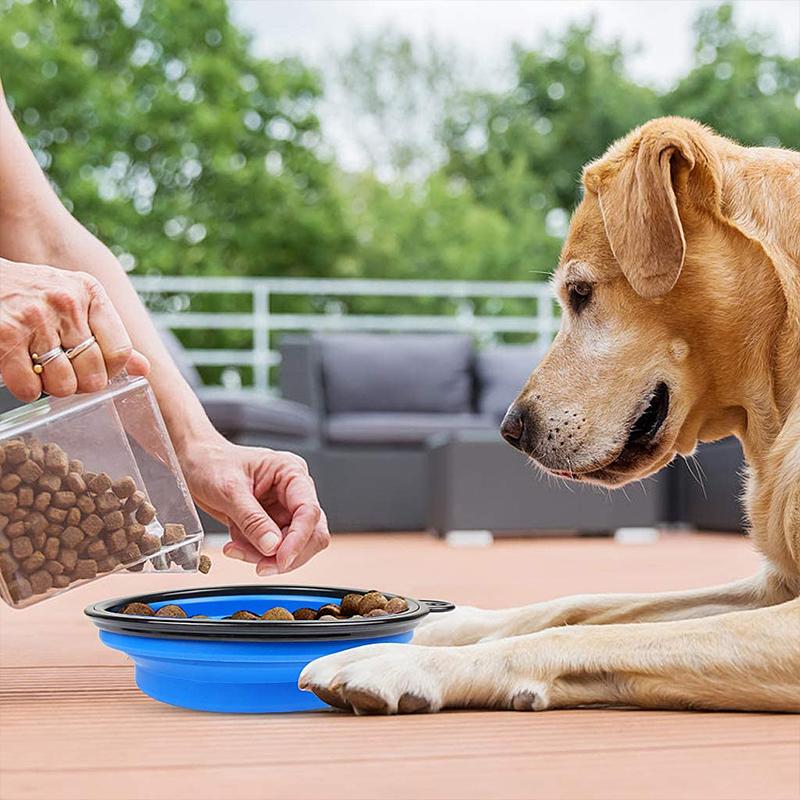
{"x":680,"y":283}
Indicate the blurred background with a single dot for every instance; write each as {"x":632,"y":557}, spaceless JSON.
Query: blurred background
{"x":277,"y":174}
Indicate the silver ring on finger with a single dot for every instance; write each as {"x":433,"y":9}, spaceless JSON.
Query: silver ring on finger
{"x":41,"y":361}
{"x":74,"y":352}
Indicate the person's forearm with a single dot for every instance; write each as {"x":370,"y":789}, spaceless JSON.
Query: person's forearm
{"x":36,"y":228}
{"x":180,"y":407}
{"x":58,"y":240}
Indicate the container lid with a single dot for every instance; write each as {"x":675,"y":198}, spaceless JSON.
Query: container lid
{"x":22,"y":419}
{"x":107,"y":615}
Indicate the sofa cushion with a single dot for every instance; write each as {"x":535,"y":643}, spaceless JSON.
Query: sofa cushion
{"x":420,"y":373}
{"x":398,"y":428}
{"x":502,"y":371}
{"x":232,"y":413}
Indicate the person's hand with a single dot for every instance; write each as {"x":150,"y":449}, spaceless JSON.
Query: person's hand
{"x":42,"y":308}
{"x":265,"y":497}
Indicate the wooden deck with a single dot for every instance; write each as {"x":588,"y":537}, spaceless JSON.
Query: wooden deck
{"x":74,"y":727}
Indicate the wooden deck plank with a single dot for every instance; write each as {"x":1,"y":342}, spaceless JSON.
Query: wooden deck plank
{"x":742,"y":772}
{"x":74,"y":726}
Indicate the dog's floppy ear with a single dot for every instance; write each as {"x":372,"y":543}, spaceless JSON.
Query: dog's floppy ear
{"x":640,"y":210}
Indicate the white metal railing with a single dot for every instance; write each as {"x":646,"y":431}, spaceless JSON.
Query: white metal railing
{"x":262,"y":320}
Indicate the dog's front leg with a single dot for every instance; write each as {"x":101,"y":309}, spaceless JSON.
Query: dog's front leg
{"x":747,"y":660}
{"x":467,"y":625}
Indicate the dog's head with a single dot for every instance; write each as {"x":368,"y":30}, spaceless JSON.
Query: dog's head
{"x":628,"y":381}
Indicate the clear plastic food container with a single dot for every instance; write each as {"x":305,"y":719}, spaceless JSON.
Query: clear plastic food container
{"x":90,"y":485}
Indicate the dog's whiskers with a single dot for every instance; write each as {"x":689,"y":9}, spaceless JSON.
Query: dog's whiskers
{"x":698,"y":476}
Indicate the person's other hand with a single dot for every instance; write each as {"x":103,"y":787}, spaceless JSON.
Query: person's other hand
{"x":265,"y":497}
{"x":42,"y":308}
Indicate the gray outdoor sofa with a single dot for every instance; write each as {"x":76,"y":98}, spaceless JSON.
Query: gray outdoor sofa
{"x":408,"y":439}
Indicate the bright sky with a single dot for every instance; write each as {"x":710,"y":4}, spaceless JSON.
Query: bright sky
{"x":483,"y":30}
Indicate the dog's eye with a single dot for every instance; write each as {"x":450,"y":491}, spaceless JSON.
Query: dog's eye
{"x":579,"y":295}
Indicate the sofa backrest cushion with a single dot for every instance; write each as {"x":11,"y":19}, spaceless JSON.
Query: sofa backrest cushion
{"x":423,"y":373}
{"x":502,"y":372}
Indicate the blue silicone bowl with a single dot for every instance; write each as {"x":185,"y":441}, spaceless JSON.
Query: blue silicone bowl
{"x":240,"y":666}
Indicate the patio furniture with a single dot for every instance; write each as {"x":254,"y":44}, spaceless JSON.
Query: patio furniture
{"x":409,"y":439}
{"x":245,"y":418}
{"x":378,"y":399}
{"x":706,"y":490}
{"x":478,"y":482}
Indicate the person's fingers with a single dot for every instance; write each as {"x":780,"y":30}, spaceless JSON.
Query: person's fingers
{"x":319,"y":540}
{"x":70,"y":301}
{"x":277,"y":511}
{"x":301,"y":531}
{"x":138,"y":364}
{"x":242,"y":551}
{"x":57,"y":376}
{"x":253,"y":522}
{"x":90,"y":369}
{"x":18,"y":374}
{"x":88,"y":365}
{"x":291,"y":486}
{"x":109,"y":331}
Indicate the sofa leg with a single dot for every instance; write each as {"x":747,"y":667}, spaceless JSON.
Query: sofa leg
{"x":469,"y":538}
{"x":636,"y":535}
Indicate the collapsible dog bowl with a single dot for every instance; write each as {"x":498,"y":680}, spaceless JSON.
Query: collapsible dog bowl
{"x":245,"y":666}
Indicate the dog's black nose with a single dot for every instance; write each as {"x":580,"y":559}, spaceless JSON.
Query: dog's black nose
{"x":512,"y":429}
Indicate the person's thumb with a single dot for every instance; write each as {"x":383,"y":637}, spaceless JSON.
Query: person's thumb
{"x":254,"y":523}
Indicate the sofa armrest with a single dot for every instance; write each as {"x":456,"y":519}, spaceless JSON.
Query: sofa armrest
{"x":237,"y":414}
{"x":301,"y":372}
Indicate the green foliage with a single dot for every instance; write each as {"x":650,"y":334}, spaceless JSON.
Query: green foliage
{"x":189,"y":155}
{"x":435,"y":229}
{"x":184,"y":152}
{"x":738,"y":85}
{"x":525,"y":148}
{"x":393,"y":92}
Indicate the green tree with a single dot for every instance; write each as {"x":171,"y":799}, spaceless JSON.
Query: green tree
{"x":738,"y":84}
{"x":391,"y":95}
{"x":184,"y":152}
{"x":524,"y":149}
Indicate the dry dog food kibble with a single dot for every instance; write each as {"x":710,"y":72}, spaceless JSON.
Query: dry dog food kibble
{"x":205,"y":564}
{"x":277,"y":613}
{"x":349,"y":604}
{"x":61,"y":523}
{"x":370,"y":601}
{"x":171,"y":611}
{"x":397,"y":605}
{"x":124,"y":487}
{"x":330,"y":612}
{"x":140,"y":609}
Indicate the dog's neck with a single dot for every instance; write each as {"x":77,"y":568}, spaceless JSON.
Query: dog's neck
{"x":764,"y":212}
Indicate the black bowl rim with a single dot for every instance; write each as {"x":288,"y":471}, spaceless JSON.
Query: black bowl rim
{"x":106,"y":619}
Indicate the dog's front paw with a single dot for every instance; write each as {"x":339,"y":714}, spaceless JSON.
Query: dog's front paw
{"x":407,"y":679}
{"x":378,"y":679}
{"x":463,"y":625}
